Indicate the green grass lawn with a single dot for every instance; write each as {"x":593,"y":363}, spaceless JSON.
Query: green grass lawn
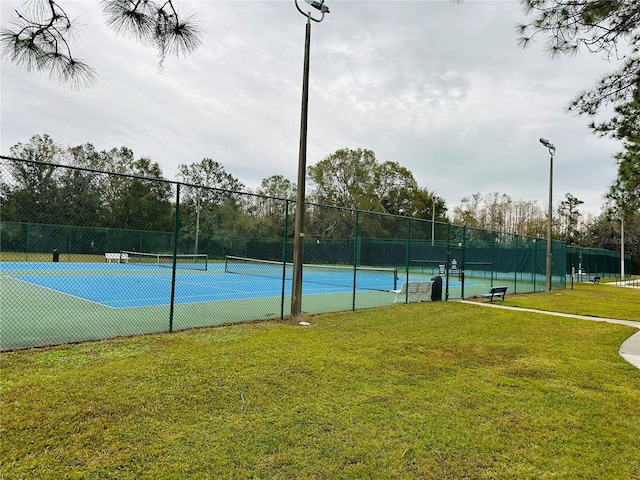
{"x":599,"y":300}
{"x":439,"y":390}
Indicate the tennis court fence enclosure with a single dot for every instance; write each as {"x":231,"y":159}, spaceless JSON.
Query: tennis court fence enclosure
{"x":87,"y":255}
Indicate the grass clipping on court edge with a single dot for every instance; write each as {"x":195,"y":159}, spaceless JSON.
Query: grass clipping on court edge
{"x":435,"y":390}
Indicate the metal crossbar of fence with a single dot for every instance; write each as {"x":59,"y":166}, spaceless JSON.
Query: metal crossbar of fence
{"x":134,"y":255}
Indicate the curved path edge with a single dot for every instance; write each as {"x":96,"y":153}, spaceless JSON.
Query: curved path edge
{"x":629,"y":350}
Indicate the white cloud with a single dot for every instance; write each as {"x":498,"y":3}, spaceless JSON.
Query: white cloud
{"x":441,"y":88}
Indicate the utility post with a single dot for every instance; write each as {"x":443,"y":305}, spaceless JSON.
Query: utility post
{"x":298,"y":240}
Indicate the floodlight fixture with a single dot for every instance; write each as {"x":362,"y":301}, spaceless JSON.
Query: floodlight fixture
{"x":318,"y":5}
{"x":548,"y":144}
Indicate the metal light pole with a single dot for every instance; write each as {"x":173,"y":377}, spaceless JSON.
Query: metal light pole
{"x":298,"y":239}
{"x":552,"y":151}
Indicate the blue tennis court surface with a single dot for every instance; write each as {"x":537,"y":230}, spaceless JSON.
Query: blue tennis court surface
{"x":140,"y":290}
{"x":130,"y":285}
{"x":135,"y":285}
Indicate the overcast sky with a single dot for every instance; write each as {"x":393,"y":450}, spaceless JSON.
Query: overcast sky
{"x":441,"y":88}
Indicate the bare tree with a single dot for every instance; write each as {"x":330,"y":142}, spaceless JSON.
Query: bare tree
{"x":495,"y":211}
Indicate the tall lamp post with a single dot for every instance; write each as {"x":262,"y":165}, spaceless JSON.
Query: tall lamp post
{"x":552,"y":151}
{"x":298,"y":239}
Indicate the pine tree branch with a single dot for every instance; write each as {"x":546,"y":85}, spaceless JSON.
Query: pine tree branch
{"x":39,"y":37}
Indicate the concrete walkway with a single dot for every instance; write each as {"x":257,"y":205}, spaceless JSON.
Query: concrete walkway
{"x":633,"y":283}
{"x":629,"y":350}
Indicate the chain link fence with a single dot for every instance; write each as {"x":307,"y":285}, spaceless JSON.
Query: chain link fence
{"x":89,"y":255}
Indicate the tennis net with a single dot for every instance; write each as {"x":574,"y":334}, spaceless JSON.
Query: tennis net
{"x":365,"y":278}
{"x":186,"y":261}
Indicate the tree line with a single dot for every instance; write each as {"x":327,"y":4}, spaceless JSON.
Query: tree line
{"x":500,"y":212}
{"x":495,"y":211}
{"x":350,"y":179}
{"x":212,"y":201}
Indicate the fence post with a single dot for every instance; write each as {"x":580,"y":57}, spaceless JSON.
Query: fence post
{"x":534,"y":264}
{"x":356,"y":257}
{"x":515,"y":264}
{"x":447,"y":265}
{"x":463,"y":260}
{"x":284,"y":256}
{"x":28,"y":237}
{"x":407,"y":258}
{"x":176,"y":226}
{"x":493,"y":254}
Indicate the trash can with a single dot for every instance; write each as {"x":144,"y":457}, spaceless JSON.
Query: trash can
{"x":56,"y":255}
{"x":436,"y":289}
